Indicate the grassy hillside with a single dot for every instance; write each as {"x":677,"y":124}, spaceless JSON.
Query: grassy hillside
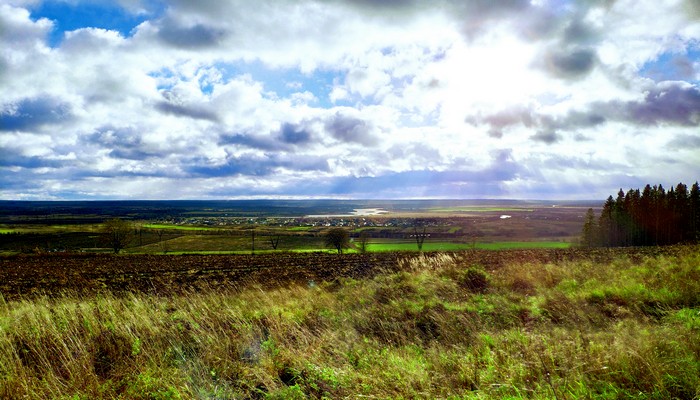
{"x":440,"y":327}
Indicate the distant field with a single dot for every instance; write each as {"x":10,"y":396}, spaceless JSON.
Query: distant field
{"x":3,"y":230}
{"x":299,"y":228}
{"x":480,"y":209}
{"x":448,"y":246}
{"x":180,"y":227}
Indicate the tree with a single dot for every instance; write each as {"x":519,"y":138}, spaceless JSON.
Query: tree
{"x":117,"y":234}
{"x":419,"y":234}
{"x":590,"y":230}
{"x":274,"y":241}
{"x":363,"y":242}
{"x":338,"y":238}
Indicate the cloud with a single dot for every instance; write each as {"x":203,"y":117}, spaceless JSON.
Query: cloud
{"x":190,"y":37}
{"x":348,"y":98}
{"x":685,"y":142}
{"x":180,"y":110}
{"x":9,"y":158}
{"x":570,"y":63}
{"x":294,"y":134}
{"x":257,"y":165}
{"x":123,"y":142}
{"x":668,"y":103}
{"x":350,"y":129}
{"x":33,"y":113}
{"x":546,"y":136}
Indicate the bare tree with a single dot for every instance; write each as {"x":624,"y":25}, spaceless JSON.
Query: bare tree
{"x":338,"y":238}
{"x":419,"y":233}
{"x":117,"y":234}
{"x":274,"y":241}
{"x":163,"y":244}
{"x":363,"y":242}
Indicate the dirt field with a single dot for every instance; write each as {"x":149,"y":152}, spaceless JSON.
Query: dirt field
{"x":51,"y":274}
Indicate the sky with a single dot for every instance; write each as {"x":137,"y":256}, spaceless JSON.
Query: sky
{"x":214,"y":99}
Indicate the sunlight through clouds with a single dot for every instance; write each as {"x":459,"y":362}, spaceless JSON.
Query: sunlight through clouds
{"x":227,"y":99}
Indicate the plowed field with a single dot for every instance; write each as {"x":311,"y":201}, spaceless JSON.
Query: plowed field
{"x":28,"y":275}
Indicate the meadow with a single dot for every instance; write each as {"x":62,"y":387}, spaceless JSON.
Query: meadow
{"x":544,"y":324}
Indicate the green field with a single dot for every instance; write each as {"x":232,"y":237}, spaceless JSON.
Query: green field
{"x":180,"y":227}
{"x":448,"y":246}
{"x":299,"y":228}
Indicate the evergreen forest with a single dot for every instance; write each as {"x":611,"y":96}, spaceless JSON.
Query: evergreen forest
{"x":651,"y":217}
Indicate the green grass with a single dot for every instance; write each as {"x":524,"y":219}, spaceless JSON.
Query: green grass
{"x":180,"y":227}
{"x":299,"y":228}
{"x":5,"y":231}
{"x":449,"y":246}
{"x":439,"y":328}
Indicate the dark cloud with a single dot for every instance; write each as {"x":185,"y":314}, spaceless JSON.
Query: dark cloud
{"x":190,"y":37}
{"x":288,"y":136}
{"x":350,"y":129}
{"x":294,"y":134}
{"x":571,"y":63}
{"x":32,"y":113}
{"x":124,"y":142}
{"x":504,"y":118}
{"x":692,"y":8}
{"x":673,"y":104}
{"x":546,"y":136}
{"x":578,"y":32}
{"x":254,"y":165}
{"x":266,"y":143}
{"x":180,"y":110}
{"x":10,"y":158}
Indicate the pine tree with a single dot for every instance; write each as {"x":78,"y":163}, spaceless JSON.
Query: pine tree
{"x":590,"y":230}
{"x":606,"y":223}
{"x":694,"y":213}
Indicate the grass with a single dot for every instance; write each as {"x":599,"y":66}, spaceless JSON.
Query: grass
{"x":449,"y":246}
{"x":242,"y":245}
{"x":299,"y":228}
{"x":440,"y":328}
{"x":180,"y":227}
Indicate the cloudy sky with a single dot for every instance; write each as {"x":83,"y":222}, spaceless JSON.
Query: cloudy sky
{"x":184,"y":99}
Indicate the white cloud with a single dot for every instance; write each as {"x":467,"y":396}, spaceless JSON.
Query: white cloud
{"x":217,"y":98}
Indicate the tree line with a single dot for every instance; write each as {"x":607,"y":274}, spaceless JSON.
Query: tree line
{"x":651,"y":217}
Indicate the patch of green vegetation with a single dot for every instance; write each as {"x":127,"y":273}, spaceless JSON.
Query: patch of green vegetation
{"x":299,"y":228}
{"x":6,"y":231}
{"x":180,"y":227}
{"x":449,"y":246}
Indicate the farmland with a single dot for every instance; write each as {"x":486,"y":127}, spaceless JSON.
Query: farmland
{"x":177,"y":227}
